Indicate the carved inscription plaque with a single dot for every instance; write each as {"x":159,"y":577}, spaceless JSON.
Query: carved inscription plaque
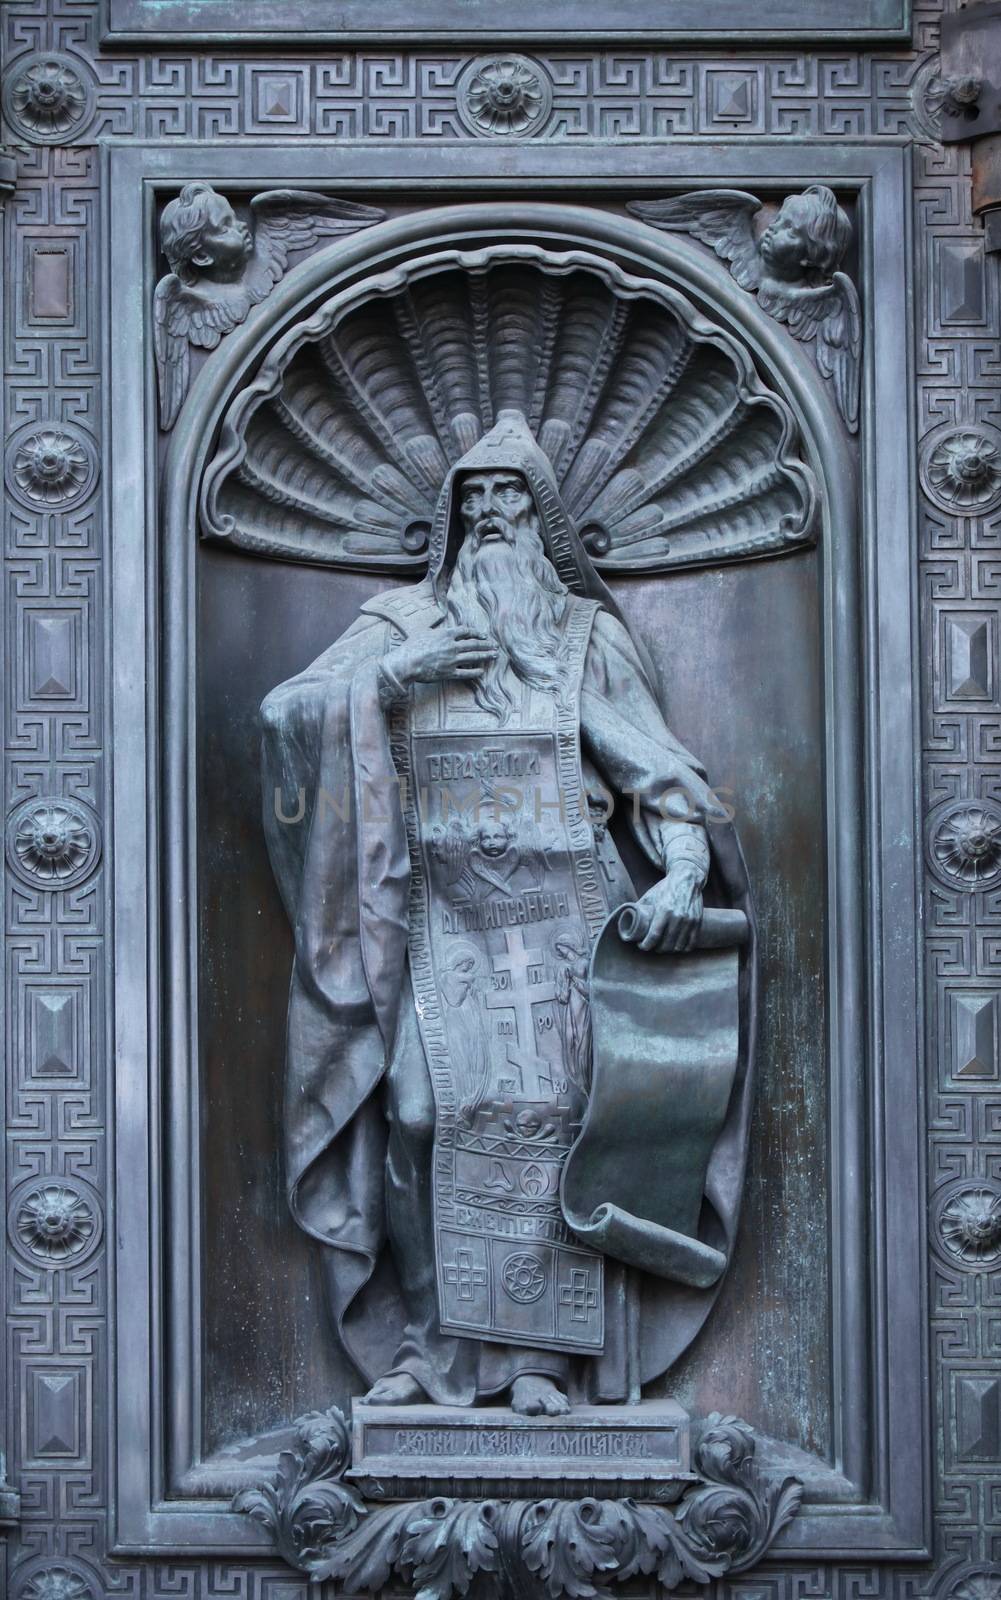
{"x":620,"y":1445}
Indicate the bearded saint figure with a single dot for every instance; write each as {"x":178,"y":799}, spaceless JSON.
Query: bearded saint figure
{"x":506,"y":680}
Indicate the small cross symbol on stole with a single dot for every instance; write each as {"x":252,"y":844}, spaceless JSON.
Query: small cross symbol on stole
{"x":527,"y":986}
{"x":466,"y":1278}
{"x":578,"y":1296}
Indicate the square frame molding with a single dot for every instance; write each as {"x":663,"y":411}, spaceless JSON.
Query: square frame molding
{"x":876,"y":1505}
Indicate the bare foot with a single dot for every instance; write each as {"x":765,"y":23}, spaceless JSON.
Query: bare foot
{"x":538,"y":1397}
{"x":396,"y":1389}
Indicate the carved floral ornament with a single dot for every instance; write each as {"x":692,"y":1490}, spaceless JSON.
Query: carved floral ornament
{"x":964,"y":844}
{"x":47,"y":97}
{"x":52,"y":842}
{"x":968,"y":1582}
{"x":978,"y":1585}
{"x":55,"y":1221}
{"x":51,"y":466}
{"x":504,"y":96}
{"x":968,"y":1223}
{"x":934,"y":95}
{"x":668,"y":448}
{"x":54,"y":1578}
{"x":961,"y":468}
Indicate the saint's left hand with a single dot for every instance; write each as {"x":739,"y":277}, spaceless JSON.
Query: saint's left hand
{"x":668,"y":915}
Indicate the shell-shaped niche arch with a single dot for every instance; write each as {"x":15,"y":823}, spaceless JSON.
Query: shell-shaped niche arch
{"x":669,"y":449}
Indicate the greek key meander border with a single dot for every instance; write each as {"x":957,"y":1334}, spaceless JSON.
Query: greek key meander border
{"x":56,"y":1325}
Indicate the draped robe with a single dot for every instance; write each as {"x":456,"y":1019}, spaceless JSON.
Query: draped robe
{"x":343,"y":870}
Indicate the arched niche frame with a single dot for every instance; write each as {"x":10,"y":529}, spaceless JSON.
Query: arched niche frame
{"x":866,"y":1501}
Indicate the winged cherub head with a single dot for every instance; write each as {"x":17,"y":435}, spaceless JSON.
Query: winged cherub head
{"x":495,"y":838}
{"x":202,"y":237}
{"x":807,"y":239}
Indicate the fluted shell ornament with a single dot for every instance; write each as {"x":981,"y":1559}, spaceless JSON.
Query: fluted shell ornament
{"x":668,"y":448}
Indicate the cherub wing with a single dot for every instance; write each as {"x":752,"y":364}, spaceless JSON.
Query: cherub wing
{"x":450,"y":848}
{"x":184,"y":315}
{"x":171,"y":347}
{"x":831,"y":315}
{"x":720,"y":218}
{"x":292,"y":219}
{"x":535,"y":851}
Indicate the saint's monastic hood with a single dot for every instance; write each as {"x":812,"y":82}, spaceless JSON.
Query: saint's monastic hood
{"x":510,"y":446}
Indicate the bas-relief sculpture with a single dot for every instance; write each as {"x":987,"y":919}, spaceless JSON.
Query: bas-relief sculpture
{"x":841,"y":103}
{"x":221,"y":267}
{"x":787,"y":255}
{"x":668,"y":450}
{"x":519,"y":1073}
{"x":574,"y":1544}
{"x":438,"y":1083}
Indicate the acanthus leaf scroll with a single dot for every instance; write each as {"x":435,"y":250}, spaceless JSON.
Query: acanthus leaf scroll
{"x":731,"y":1513}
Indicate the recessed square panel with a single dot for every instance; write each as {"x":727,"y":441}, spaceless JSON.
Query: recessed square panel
{"x":51,"y":1023}
{"x":975,"y":1434}
{"x":958,"y":286}
{"x":966,"y":651}
{"x":969,"y":1037}
{"x":53,"y":1031}
{"x":278,"y":99}
{"x":49,"y":290}
{"x":56,"y":1414}
{"x":54,"y":659}
{"x":732,"y":100}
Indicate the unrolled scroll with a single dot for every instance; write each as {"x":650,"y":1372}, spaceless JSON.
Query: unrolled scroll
{"x":666,"y":1042}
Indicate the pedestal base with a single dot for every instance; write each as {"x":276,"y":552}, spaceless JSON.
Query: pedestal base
{"x":503,"y":1507}
{"x":408,"y":1452}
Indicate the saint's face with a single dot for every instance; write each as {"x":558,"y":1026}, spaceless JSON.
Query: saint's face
{"x":493,"y":505}
{"x":225,"y":242}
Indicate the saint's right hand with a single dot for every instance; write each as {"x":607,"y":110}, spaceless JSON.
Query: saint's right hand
{"x":441,"y":653}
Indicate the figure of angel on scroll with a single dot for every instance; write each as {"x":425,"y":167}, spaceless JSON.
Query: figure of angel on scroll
{"x":489,"y":855}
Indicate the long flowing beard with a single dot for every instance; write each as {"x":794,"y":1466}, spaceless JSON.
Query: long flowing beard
{"x":509,"y":590}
